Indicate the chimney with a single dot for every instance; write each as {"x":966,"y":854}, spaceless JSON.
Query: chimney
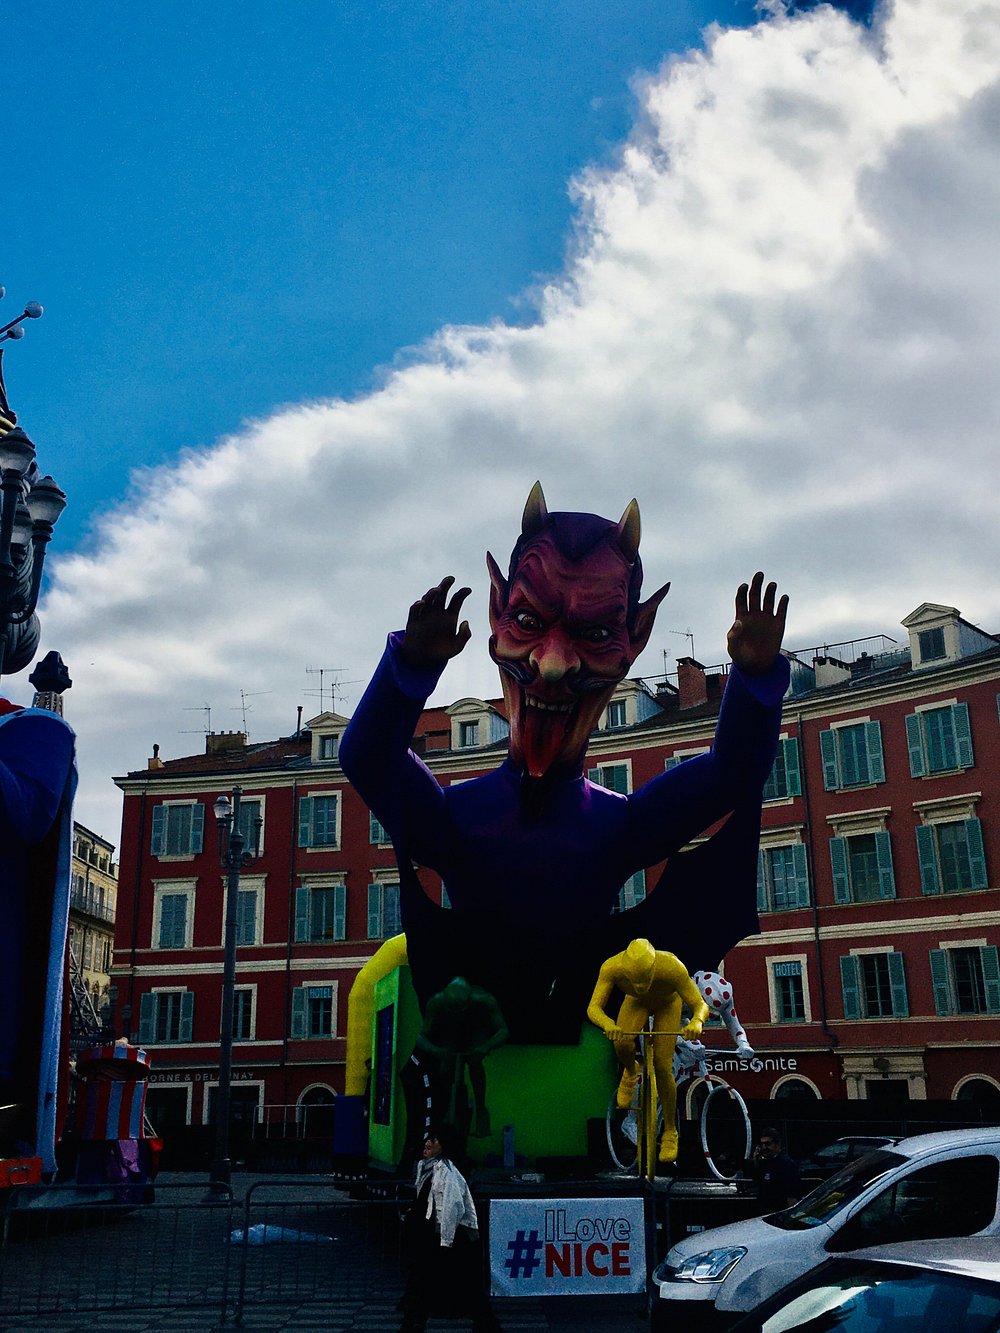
{"x":216,"y":742}
{"x":155,"y":761}
{"x":691,"y":682}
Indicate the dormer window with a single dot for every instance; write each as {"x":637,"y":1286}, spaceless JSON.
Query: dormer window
{"x":616,"y":713}
{"x":932,"y":645}
{"x":328,"y":747}
{"x":468,"y":734}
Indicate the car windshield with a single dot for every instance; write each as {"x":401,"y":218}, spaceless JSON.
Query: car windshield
{"x":826,"y":1200}
{"x":880,"y":1298}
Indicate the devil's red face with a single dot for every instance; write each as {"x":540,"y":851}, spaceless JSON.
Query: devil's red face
{"x":562,"y":644}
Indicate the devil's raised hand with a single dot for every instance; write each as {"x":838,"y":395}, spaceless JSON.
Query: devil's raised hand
{"x":433,"y":633}
{"x":756,"y":634}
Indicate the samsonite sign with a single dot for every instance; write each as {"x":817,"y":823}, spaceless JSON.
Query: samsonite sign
{"x":567,"y":1247}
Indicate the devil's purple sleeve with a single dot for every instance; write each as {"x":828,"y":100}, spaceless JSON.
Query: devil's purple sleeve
{"x":35,"y":758}
{"x":676,"y":806}
{"x":375,"y":754}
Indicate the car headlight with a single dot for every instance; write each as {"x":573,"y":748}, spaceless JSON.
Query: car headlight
{"x":709,"y":1266}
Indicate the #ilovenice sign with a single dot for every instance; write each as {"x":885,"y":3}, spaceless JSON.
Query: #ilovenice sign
{"x":567,"y":1247}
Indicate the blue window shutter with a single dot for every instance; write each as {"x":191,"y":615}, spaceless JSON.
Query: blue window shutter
{"x":849,"y":985}
{"x":299,"y":1011}
{"x":619,"y":779}
{"x":187,"y":1016}
{"x":963,"y":735}
{"x":197,"y":828}
{"x":672,"y":761}
{"x":305,"y":821}
{"x":594,"y":775}
{"x":376,"y":833}
{"x":390,"y":910}
{"x":828,"y":753}
{"x":303,"y":898}
{"x":977,"y":855}
{"x":147,"y":1019}
{"x":761,"y":881}
{"x":886,"y":877}
{"x":800,"y":867}
{"x":873,"y":743}
{"x":246,"y":916}
{"x":991,"y":977}
{"x":930,"y":879}
{"x":793,"y":778}
{"x":340,"y":912}
{"x":915,"y":746}
{"x":897,"y":983}
{"x":841,"y":870}
{"x":159,"y":820}
{"x":941,"y":979}
{"x":771,"y":792}
{"x":374,"y":911}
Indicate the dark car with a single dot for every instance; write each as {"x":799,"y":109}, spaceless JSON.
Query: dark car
{"x":837,"y":1154}
{"x":936,"y":1286}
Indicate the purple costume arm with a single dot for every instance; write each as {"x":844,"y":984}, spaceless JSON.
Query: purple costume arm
{"x":676,"y":806}
{"x":375,"y":754}
{"x":36,"y":754}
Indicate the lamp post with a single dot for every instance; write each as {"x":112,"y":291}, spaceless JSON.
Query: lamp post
{"x":233,"y":856}
{"x":30,"y":504}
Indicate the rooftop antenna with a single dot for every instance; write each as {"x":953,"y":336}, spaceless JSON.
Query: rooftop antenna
{"x":685,"y":634}
{"x":248,"y":708}
{"x":206,"y":730}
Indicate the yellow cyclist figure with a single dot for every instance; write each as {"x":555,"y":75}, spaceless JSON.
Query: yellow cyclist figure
{"x":655,"y":983}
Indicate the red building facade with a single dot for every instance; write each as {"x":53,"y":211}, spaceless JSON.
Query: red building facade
{"x":875,"y":974}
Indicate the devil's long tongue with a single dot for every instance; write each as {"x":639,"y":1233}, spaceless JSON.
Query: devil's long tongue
{"x":544,"y":732}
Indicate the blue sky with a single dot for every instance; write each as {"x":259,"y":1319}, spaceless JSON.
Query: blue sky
{"x":335,"y":284}
{"x":228,"y":207}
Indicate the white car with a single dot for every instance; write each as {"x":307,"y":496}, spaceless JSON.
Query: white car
{"x":932,"y":1185}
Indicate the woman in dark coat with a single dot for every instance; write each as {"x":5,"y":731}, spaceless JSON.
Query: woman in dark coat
{"x":444,"y":1255}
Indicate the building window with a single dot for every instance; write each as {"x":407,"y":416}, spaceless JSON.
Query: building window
{"x":952,"y":858}
{"x":166,"y":1016}
{"x":312,"y":1011}
{"x":383,"y":911}
{"x":789,"y":996}
{"x":377,"y":835}
{"x":612,"y":776}
{"x":939,"y":740}
{"x":178,"y":830}
{"x":174,"y":911}
{"x":616,"y":714}
{"x":253,"y":834}
{"x":966,"y":980}
{"x":874,"y":986}
{"x":320,"y":912}
{"x":852,"y":756}
{"x":931,"y":644}
{"x":633,"y":891}
{"x":318,"y":821}
{"x":785,"y":778}
{"x":328,"y":747}
{"x":243,"y":1013}
{"x":468,"y":734}
{"x":246,"y":917}
{"x":862,"y":868}
{"x":88,"y":949}
{"x":782,"y":878}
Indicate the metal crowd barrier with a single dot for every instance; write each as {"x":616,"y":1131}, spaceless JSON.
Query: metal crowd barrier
{"x":71,"y":1249}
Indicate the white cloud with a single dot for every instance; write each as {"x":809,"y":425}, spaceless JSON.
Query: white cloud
{"x":778,"y":328}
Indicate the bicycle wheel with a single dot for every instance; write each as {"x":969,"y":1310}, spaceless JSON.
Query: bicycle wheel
{"x":622,"y":1128}
{"x":741,"y":1107}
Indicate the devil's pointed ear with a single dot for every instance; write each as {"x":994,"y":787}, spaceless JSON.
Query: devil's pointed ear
{"x":642,"y":622}
{"x":498,"y":589}
{"x":535,"y":512}
{"x":629,"y":529}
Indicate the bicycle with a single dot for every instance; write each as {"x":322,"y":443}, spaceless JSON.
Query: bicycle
{"x":633,"y":1134}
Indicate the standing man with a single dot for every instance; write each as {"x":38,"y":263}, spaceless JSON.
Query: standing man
{"x":775,"y":1173}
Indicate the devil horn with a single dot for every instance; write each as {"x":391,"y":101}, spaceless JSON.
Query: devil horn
{"x":628,"y":532}
{"x":535,"y":512}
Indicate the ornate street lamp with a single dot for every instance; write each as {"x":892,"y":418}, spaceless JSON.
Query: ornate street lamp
{"x":30,"y":504}
{"x":234,"y":856}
